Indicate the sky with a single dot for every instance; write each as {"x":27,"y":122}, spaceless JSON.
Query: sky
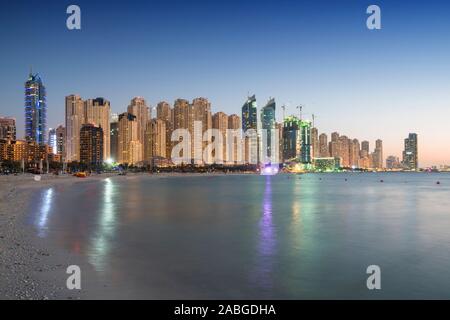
{"x":366,"y":84}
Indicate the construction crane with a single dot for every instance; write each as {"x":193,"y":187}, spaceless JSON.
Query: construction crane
{"x":300,"y":107}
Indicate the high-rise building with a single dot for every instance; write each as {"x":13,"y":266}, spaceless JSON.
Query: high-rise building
{"x":315,"y":142}
{"x":365,"y":147}
{"x":305,"y":132}
{"x":74,"y":120}
{"x":324,"y":151}
{"x":201,"y":112}
{"x":60,"y":140}
{"x":410,"y":154}
{"x":7,"y":128}
{"x":355,"y":153}
{"x":182,"y":114}
{"x":268,"y":124}
{"x":220,"y":122}
{"x":114,"y":137}
{"x":377,"y":156}
{"x":235,"y":155}
{"x":292,"y":141}
{"x":164,"y":112}
{"x":155,"y":140}
{"x":392,"y":162}
{"x":98,"y":112}
{"x":52,"y":142}
{"x":130,"y":149}
{"x":249,"y":114}
{"x":138,"y":107}
{"x":344,"y":153}
{"x":91,"y":145}
{"x":334,"y":145}
{"x":35,"y":110}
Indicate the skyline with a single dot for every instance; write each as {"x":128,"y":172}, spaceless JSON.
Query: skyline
{"x":351,"y":78}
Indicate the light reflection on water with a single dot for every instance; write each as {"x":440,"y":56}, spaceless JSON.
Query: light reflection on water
{"x":267,"y":239}
{"x":100,"y":243}
{"x":45,"y":209}
{"x":257,"y":236}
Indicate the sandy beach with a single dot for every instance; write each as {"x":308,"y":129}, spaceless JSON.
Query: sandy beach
{"x":29,"y":267}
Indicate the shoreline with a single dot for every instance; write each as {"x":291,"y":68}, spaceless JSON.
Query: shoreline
{"x":30,"y":268}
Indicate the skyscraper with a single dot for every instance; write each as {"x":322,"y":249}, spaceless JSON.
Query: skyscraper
{"x":220,"y":122}
{"x":181,"y":114}
{"x":235,"y":154}
{"x":315,"y":142}
{"x":130,"y":149}
{"x":60,"y":140}
{"x":291,"y":138}
{"x":98,"y":112}
{"x":164,"y":112}
{"x":91,"y":145}
{"x":268,"y":124}
{"x":323,"y":146}
{"x":35,"y":110}
{"x":201,"y":112}
{"x":52,"y":142}
{"x":377,"y":156}
{"x":305,"y":132}
{"x":155,"y":140}
{"x":249,"y":114}
{"x":410,"y":154}
{"x":114,"y":137}
{"x":138,"y":107}
{"x":74,"y":120}
{"x":7,"y":128}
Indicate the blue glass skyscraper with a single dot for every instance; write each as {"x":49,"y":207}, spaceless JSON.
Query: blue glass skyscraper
{"x":35,"y":110}
{"x":249,"y":114}
{"x":268,"y":123}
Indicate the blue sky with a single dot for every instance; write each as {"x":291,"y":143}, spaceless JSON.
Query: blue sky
{"x":362,"y":83}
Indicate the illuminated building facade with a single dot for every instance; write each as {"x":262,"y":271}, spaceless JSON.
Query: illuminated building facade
{"x":35,"y":110}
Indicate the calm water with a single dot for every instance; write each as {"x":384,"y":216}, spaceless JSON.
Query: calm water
{"x":294,"y":237}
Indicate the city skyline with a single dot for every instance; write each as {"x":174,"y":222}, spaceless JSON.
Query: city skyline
{"x":144,"y":137}
{"x":367,"y":85}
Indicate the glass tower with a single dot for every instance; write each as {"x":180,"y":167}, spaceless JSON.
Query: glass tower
{"x":249,"y":114}
{"x":268,"y":123}
{"x":35,"y":110}
{"x":410,"y":154}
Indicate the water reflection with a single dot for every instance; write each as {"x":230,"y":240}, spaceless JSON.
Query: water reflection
{"x":42,"y":218}
{"x":267,"y":239}
{"x":100,"y":244}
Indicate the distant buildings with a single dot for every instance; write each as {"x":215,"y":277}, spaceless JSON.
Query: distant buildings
{"x":91,"y":145}
{"x":114,"y":137}
{"x":130,"y":149}
{"x":268,"y":124}
{"x":324,"y":151}
{"x":291,"y":138}
{"x":78,"y":112}
{"x":35,"y":110}
{"x":7,"y":128}
{"x":305,"y":138}
{"x":138,"y":107}
{"x":410,"y":154}
{"x":75,"y":118}
{"x":52,"y":139}
{"x":393,"y":163}
{"x":60,"y":140}
{"x":249,"y":114}
{"x":155,"y":140}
